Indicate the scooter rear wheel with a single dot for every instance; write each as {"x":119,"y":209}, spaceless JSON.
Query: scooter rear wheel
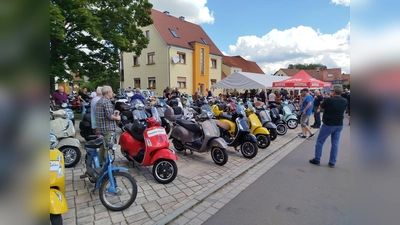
{"x":219,"y":155}
{"x":125,"y":191}
{"x":178,"y":145}
{"x":165,"y":171}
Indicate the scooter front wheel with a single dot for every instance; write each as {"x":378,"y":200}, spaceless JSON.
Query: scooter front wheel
{"x":272,"y":134}
{"x":72,"y":155}
{"x":263,"y":141}
{"x":249,"y":149}
{"x":219,"y":155}
{"x":165,"y":171}
{"x":281,"y":129}
{"x":292,"y":124}
{"x":122,"y":195}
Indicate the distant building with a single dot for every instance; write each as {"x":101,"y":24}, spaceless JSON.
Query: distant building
{"x":231,"y":64}
{"x":333,"y":75}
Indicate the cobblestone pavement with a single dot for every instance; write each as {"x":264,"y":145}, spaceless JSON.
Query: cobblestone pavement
{"x":200,"y":189}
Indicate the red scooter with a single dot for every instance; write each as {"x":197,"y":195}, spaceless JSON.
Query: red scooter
{"x":146,"y":143}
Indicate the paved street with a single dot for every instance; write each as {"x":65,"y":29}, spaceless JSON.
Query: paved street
{"x":198,"y":177}
{"x":294,"y":191}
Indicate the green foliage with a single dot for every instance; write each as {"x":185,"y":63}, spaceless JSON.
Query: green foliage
{"x":346,"y":86}
{"x":87,"y":36}
{"x":306,"y":66}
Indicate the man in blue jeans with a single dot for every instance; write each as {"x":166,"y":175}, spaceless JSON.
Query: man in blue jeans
{"x":332,"y":119}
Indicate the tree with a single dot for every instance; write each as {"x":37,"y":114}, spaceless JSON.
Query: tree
{"x":88,"y":36}
{"x":307,"y":66}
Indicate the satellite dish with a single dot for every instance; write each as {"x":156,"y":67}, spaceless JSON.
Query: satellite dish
{"x":175,"y":59}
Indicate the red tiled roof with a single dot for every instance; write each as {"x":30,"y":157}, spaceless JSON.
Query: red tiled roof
{"x":187,"y":31}
{"x":238,"y":61}
{"x":223,"y":75}
{"x":290,"y":72}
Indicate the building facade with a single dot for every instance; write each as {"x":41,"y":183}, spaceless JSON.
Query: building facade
{"x":180,"y":54}
{"x":333,"y":75}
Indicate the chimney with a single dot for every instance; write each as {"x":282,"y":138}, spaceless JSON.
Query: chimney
{"x":166,"y":13}
{"x":182,"y":18}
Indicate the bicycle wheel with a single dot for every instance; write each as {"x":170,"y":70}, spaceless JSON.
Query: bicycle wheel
{"x":124,"y":194}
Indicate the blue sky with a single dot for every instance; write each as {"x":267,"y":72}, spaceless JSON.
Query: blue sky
{"x":273,"y":33}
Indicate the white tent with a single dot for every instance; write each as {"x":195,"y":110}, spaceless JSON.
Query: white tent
{"x":245,"y":80}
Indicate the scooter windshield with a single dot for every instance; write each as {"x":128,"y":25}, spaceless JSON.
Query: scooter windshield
{"x":251,"y":107}
{"x":206,"y":111}
{"x":240,"y":110}
{"x":155,"y":114}
{"x":139,"y":114}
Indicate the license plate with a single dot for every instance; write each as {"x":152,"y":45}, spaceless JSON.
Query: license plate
{"x":54,"y":165}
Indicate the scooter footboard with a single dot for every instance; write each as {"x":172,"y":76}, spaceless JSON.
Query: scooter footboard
{"x":58,"y":203}
{"x":250,"y":137}
{"x":165,"y":153}
{"x":217,"y":142}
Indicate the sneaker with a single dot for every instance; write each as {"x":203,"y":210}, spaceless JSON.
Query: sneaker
{"x":331,"y":165}
{"x":302,"y":136}
{"x":311,"y":135}
{"x":315,"y":162}
{"x":299,"y":134}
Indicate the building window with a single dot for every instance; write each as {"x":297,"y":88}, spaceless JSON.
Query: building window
{"x":330,"y":75}
{"x":174,"y":33}
{"x":182,"y":57}
{"x":151,"y":58}
{"x":151,"y":83}
{"x":213,"y":63}
{"x":213,"y":81}
{"x":204,"y":41}
{"x":148,"y":35}
{"x":181,"y":82}
{"x":136,"y":82}
{"x":202,"y":61}
{"x":314,"y":75}
{"x":136,"y":60}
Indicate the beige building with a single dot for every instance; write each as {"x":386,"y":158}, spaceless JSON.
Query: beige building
{"x":180,"y":54}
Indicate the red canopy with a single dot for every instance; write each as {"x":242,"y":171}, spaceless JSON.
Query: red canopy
{"x":301,"y":80}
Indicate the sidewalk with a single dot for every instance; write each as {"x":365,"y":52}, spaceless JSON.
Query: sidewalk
{"x":198,"y":178}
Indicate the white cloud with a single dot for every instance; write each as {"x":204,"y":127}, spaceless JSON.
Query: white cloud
{"x":194,"y":11}
{"x":277,"y":49}
{"x":341,"y":2}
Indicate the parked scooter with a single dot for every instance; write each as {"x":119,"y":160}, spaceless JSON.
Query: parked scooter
{"x":235,"y":131}
{"x":256,"y":128}
{"x":265,"y":118}
{"x":64,"y":130}
{"x":58,"y":203}
{"x":117,"y":188}
{"x":199,"y":138}
{"x":74,"y":103}
{"x":276,"y":118}
{"x":174,"y":111}
{"x":85,"y":127}
{"x":287,"y":116}
{"x":160,"y":107}
{"x":147,"y":144}
{"x":62,"y":112}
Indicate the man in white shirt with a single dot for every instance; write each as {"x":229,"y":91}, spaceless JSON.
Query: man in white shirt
{"x":271,"y":97}
{"x":93,"y":107}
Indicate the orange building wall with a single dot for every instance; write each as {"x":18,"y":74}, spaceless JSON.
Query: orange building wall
{"x":202,"y":81}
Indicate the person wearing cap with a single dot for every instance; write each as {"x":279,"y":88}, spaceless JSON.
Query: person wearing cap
{"x":332,"y":119}
{"x":306,"y":111}
{"x":137,"y":95}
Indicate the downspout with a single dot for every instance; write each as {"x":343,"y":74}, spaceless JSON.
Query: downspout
{"x":169,"y":67}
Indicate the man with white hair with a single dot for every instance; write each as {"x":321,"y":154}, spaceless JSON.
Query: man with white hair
{"x":106,"y":117}
{"x":93,"y":108}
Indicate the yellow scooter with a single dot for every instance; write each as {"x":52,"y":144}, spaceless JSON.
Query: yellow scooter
{"x":58,"y":203}
{"x":262,"y":134}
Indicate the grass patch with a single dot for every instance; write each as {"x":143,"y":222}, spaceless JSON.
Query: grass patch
{"x":78,"y":116}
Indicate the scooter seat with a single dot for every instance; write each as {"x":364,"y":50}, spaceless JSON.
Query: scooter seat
{"x":97,"y":143}
{"x":221,"y":107}
{"x":177,"y":110}
{"x":191,"y":126}
{"x":226,"y":116}
{"x":130,"y":129}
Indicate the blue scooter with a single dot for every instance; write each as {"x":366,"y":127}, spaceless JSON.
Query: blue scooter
{"x":117,"y":188}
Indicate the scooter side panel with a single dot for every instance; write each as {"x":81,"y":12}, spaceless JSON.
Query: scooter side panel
{"x":183,"y":135}
{"x":269,"y":125}
{"x":128,"y":143}
{"x":58,"y":203}
{"x":215,"y":142}
{"x":164,"y":153}
{"x":261,"y":130}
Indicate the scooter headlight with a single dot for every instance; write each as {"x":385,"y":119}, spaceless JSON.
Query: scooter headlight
{"x":53,"y":141}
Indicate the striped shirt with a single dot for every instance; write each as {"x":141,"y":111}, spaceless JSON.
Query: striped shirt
{"x":104,"y":111}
